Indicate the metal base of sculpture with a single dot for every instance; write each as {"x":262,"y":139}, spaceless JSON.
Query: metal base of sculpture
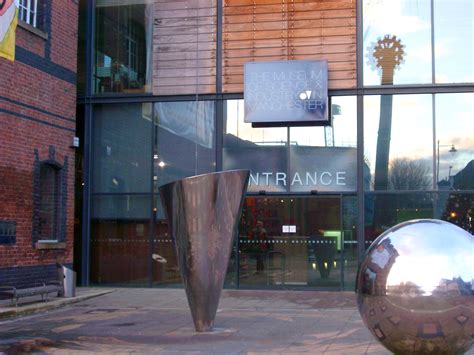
{"x":203,"y":213}
{"x":415,"y":288}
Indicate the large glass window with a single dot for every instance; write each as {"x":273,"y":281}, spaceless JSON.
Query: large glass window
{"x":123,"y":37}
{"x":185,"y":142}
{"x":290,"y":242}
{"x":397,"y":42}
{"x":122,"y":137}
{"x":454,"y":41}
{"x":454,"y":141}
{"x":262,"y":150}
{"x":136,"y":148}
{"x":325,"y":158}
{"x":401,"y":39}
{"x":398,"y":142}
{"x":385,"y":210}
{"x":296,"y":159}
{"x":120,"y":239}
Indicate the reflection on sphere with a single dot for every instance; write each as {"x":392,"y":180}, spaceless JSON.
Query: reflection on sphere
{"x":415,"y":288}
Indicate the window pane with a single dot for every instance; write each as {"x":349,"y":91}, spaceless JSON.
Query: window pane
{"x":185,"y":140}
{"x":455,"y":142}
{"x":383,"y":211}
{"x":452,"y":206}
{"x":123,"y":40}
{"x":280,"y":246}
{"x":49,"y":203}
{"x":164,"y":273}
{"x":410,"y":22}
{"x":120,"y":240}
{"x":457,"y":208}
{"x":122,"y":148}
{"x":398,"y":142}
{"x":120,"y":206}
{"x":184,"y":47}
{"x":262,"y":150}
{"x":454,"y":41}
{"x":325,"y":158}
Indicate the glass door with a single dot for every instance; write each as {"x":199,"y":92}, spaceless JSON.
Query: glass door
{"x":291,"y":242}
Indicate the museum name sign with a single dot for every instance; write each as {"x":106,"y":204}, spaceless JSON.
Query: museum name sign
{"x":307,"y":178}
{"x":286,"y":93}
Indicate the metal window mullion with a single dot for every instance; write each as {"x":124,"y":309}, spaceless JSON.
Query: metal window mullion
{"x":28,"y":12}
{"x":435,"y":153}
{"x":433,"y":54}
{"x":360,"y":132}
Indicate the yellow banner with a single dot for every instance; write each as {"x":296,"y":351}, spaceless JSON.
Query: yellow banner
{"x":8,"y":22}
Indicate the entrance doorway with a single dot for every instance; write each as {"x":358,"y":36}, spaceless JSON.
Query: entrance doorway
{"x":296,"y":242}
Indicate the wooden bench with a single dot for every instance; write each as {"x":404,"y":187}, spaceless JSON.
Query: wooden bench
{"x":44,"y":290}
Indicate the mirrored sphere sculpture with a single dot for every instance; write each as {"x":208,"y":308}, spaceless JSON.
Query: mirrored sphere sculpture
{"x":415,"y":288}
{"x":203,"y":213}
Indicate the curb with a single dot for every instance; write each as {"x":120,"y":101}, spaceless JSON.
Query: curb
{"x":38,"y":307}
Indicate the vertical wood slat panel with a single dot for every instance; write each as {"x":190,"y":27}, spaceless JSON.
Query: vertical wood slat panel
{"x":184,"y":47}
{"x":266,"y":30}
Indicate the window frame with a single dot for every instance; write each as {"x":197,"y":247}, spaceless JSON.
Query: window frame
{"x":55,"y":230}
{"x":28,"y":12}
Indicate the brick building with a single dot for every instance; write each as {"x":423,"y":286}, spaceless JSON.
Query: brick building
{"x":37,"y":127}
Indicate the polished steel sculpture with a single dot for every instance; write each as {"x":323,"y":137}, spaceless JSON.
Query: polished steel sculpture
{"x":203,"y":213}
{"x":415,"y":288}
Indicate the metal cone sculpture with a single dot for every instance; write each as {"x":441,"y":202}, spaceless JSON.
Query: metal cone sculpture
{"x":203,"y":213}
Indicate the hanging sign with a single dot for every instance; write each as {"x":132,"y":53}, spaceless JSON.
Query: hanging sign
{"x":8,"y":22}
{"x":286,"y":93}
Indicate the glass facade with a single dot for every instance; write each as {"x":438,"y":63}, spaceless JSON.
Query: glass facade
{"x":123,"y":41}
{"x":399,"y":146}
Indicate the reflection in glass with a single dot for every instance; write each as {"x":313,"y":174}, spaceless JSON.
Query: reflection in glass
{"x":123,"y":50}
{"x":311,"y":158}
{"x":410,"y":154}
{"x":457,"y":208}
{"x":291,"y":242}
{"x":121,"y":148}
{"x":120,"y":234}
{"x":410,"y":22}
{"x":395,"y":208}
{"x":454,"y":41}
{"x":453,"y":206}
{"x":325,"y":158}
{"x":185,"y":141}
{"x":455,"y":129}
{"x":261,"y":150}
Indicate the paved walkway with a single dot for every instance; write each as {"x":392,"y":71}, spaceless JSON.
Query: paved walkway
{"x":158,"y":321}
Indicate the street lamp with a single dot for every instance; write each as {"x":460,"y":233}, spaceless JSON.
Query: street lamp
{"x":452,"y":150}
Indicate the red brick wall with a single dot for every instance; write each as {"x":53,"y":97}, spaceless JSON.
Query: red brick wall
{"x":37,"y":110}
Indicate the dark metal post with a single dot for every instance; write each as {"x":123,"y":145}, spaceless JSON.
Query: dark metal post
{"x":86,"y":215}
{"x":360,"y":134}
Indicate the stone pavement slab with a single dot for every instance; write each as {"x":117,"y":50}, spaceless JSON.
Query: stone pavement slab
{"x":158,"y":321}
{"x":33,"y":304}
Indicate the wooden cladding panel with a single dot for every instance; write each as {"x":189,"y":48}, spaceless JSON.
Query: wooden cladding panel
{"x":184,"y":47}
{"x":269,"y":30}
